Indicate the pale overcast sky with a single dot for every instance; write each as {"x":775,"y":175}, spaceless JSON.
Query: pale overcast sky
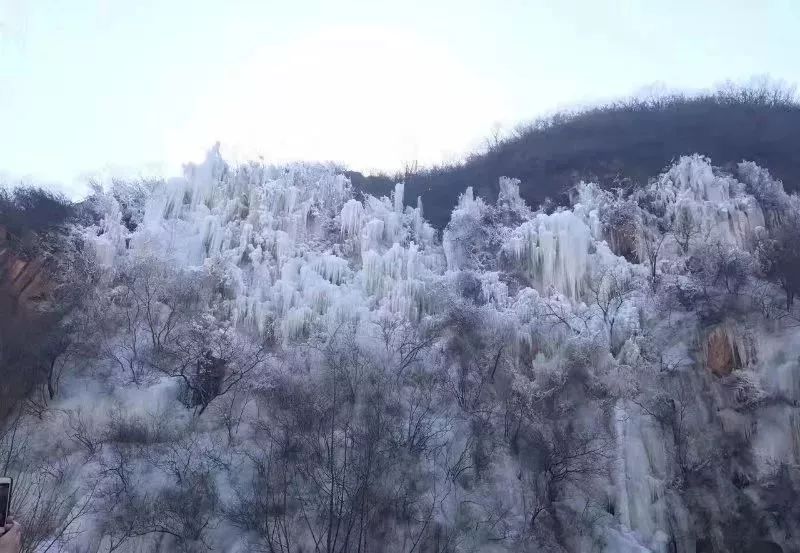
{"x":121,"y":85}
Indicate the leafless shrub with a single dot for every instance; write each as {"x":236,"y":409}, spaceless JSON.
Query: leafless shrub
{"x":49,"y":505}
{"x":13,"y":444}
{"x":230,"y":410}
{"x":187,"y":512}
{"x":136,"y":429}
{"x":779,"y":257}
{"x":82,"y":433}
{"x":211,"y":359}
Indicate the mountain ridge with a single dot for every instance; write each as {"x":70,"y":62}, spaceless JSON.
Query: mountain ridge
{"x":618,"y":144}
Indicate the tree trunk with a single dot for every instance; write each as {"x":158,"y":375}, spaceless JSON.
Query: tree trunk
{"x":51,"y":391}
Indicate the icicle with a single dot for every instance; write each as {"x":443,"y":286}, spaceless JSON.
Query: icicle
{"x":553,"y":250}
{"x":372,"y":235}
{"x":110,"y":241}
{"x":508,"y":195}
{"x":419,"y":222}
{"x":351,"y":216}
{"x":258,"y":227}
{"x":331,"y":268}
{"x":466,"y":218}
{"x":297,"y":322}
{"x":399,"y":190}
{"x":493,"y":290}
{"x":412,"y":268}
{"x":372,"y":268}
{"x":718,"y":204}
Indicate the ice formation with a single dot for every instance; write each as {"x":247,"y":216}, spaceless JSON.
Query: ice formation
{"x":267,"y":231}
{"x":554,"y":251}
{"x":718,"y":203}
{"x":460,"y":236}
{"x":296,"y":250}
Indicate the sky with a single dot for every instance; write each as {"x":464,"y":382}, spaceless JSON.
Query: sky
{"x":102,"y":87}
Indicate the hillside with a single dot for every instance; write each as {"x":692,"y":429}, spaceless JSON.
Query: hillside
{"x":257,"y":358}
{"x":617,"y":145}
{"x":37,"y":286}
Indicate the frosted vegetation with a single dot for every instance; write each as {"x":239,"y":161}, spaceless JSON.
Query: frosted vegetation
{"x":258,"y":360}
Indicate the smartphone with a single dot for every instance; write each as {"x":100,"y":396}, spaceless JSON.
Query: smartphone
{"x":5,"y":498}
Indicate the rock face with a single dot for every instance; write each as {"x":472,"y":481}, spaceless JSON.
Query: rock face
{"x":22,"y":283}
{"x":21,"y":280}
{"x":725,"y":349}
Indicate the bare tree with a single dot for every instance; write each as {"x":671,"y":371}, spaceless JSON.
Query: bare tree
{"x":567,"y":455}
{"x":779,"y":256}
{"x":495,"y":138}
{"x":121,"y":336}
{"x":81,"y":432}
{"x":267,"y":505}
{"x":49,"y":506}
{"x":610,"y":289}
{"x":340,"y":452}
{"x":685,"y":229}
{"x":13,"y":443}
{"x":404,"y":343}
{"x":124,"y":519}
{"x":211,"y":360}
{"x":230,"y":410}
{"x":651,"y":240}
{"x":672,"y":407}
{"x":184,"y":513}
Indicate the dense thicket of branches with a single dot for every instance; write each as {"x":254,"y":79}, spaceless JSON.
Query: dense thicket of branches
{"x":618,"y":143}
{"x":29,"y":213}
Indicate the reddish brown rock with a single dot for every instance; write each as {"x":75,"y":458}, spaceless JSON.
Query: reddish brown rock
{"x":724,"y":350}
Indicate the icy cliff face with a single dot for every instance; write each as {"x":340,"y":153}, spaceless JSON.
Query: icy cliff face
{"x":719,"y":204}
{"x":553,"y":250}
{"x":636,"y":396}
{"x":290,"y":244}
